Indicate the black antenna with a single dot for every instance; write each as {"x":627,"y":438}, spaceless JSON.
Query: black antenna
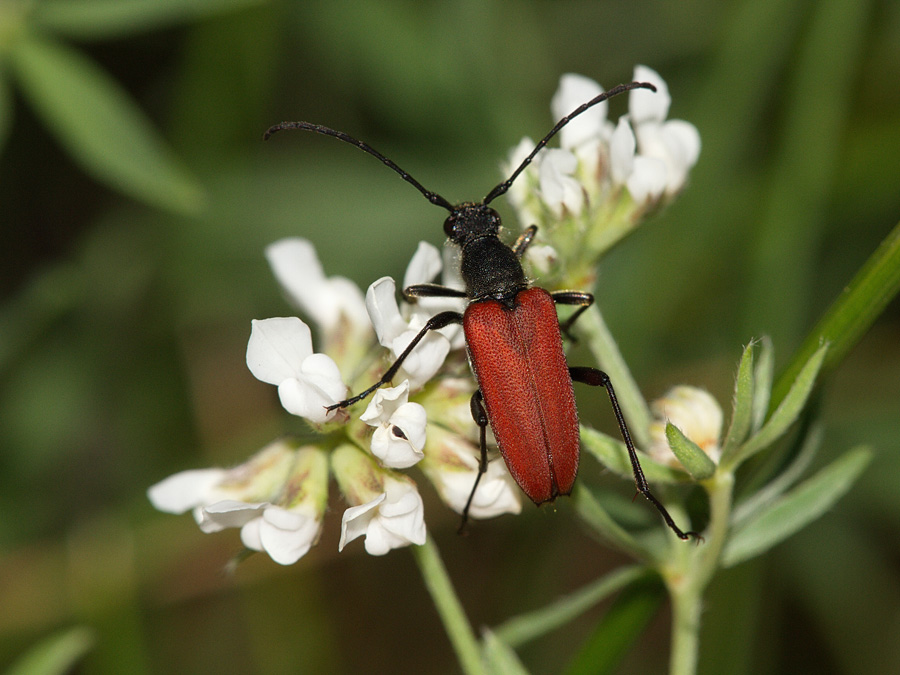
{"x":615,"y":91}
{"x":433,"y":197}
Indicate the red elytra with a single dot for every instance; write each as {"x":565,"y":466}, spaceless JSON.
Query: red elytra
{"x":518,"y":360}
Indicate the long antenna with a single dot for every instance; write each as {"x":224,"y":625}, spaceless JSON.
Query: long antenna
{"x":615,"y":91}
{"x":433,"y":197}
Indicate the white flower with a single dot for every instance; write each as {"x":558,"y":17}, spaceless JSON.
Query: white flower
{"x":560,"y":190}
{"x":326,"y":300}
{"x":280,"y":352}
{"x":399,"y":427}
{"x":384,"y":506}
{"x":395,"y":333}
{"x":696,"y":414}
{"x":674,"y":142}
{"x":452,"y":466}
{"x":277,"y":498}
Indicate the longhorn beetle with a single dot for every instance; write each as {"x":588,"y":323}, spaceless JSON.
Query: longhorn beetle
{"x":514,"y":340}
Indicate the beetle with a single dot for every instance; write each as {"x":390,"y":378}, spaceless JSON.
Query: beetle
{"x":513,"y":338}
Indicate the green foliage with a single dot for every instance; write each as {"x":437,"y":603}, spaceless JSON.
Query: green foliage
{"x":135,"y":202}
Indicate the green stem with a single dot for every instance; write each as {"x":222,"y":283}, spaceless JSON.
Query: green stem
{"x":463,"y":639}
{"x":689,"y":577}
{"x":605,"y":350}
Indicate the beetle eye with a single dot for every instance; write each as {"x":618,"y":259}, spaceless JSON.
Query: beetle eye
{"x":450,"y":226}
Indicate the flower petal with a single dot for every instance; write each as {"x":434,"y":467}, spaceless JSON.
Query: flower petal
{"x":621,"y":152}
{"x":277,"y":348}
{"x":575,"y":90}
{"x":425,"y":265}
{"x":184,"y":490}
{"x":381,"y":304}
{"x":325,"y":300}
{"x":287,"y":535}
{"x":645,"y":105}
{"x":319,"y":385}
{"x":226,"y":513}
{"x":356,"y":520}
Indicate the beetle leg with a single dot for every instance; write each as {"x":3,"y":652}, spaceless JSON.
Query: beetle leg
{"x":479,"y":414}
{"x":572,"y":298}
{"x":524,"y":241}
{"x":597,"y":378}
{"x":434,"y":323}
{"x":410,"y":293}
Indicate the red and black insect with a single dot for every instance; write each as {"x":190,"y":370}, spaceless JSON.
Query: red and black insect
{"x":514,"y":340}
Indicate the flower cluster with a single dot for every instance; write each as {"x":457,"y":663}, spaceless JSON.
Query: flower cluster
{"x":584,"y":196}
{"x":278,"y":497}
{"x":604,"y":179}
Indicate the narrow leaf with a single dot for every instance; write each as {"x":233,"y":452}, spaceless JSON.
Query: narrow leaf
{"x":526,"y":627}
{"x":786,"y":413}
{"x":613,"y":454}
{"x":797,"y":509}
{"x":100,"y":125}
{"x":742,"y":412}
{"x":763,"y":375}
{"x":691,"y":455}
{"x":56,"y":654}
{"x":851,"y":315}
{"x":118,"y":18}
{"x":615,"y":634}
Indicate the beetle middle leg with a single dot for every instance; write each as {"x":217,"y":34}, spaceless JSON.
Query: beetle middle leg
{"x":597,"y":378}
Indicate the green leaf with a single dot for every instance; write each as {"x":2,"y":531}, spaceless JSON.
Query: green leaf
{"x":851,"y":315}
{"x":101,"y":126}
{"x":763,"y":376}
{"x":56,"y":654}
{"x":526,"y":627}
{"x":500,"y":658}
{"x":691,"y":456}
{"x":786,"y":413}
{"x":760,"y":496}
{"x":118,"y":18}
{"x":615,"y":634}
{"x":613,"y":454}
{"x":742,"y":412}
{"x":804,"y":504}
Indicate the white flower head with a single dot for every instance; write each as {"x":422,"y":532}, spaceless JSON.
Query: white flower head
{"x":395,"y":333}
{"x":329,"y":301}
{"x":452,"y":466}
{"x":280,"y":352}
{"x":399,"y":427}
{"x":696,"y":414}
{"x":385,"y":507}
{"x":277,"y":498}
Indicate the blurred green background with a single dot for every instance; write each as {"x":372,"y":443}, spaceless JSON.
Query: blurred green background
{"x":136,"y":197}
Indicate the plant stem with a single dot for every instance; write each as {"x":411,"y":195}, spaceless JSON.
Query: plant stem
{"x":463,"y":639}
{"x":689,"y":577}
{"x":605,"y":350}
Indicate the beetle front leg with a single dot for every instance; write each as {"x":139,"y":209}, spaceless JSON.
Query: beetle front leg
{"x":434,"y":323}
{"x":479,"y":414}
{"x":572,"y":298}
{"x":597,"y":378}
